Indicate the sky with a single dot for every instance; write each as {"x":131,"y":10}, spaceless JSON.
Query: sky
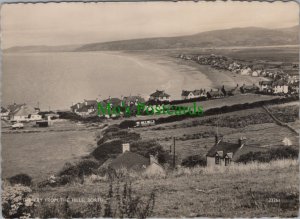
{"x":80,"y":23}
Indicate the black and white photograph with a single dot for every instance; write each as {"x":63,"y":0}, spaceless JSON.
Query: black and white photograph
{"x":154,"y":109}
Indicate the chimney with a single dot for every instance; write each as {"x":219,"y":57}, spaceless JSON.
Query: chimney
{"x":153,"y":159}
{"x":125,"y":147}
{"x":242,"y":141}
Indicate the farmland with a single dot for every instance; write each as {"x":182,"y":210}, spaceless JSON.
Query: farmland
{"x":197,"y":134}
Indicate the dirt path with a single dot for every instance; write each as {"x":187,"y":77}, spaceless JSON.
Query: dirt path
{"x":277,"y":121}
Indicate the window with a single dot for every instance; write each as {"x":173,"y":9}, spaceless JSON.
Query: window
{"x":217,"y":159}
{"x":227,"y":161}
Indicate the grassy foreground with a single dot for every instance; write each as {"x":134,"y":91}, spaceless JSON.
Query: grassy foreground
{"x":251,"y":190}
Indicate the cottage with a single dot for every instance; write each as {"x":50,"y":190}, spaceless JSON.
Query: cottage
{"x":246,"y":71}
{"x":224,"y":153}
{"x":84,"y":108}
{"x":249,"y":89}
{"x":133,"y":100}
{"x":154,"y":169}
{"x":233,"y":91}
{"x":23,"y":113}
{"x":280,"y":87}
{"x":135,"y":162}
{"x":214,"y":94}
{"x":186,"y":95}
{"x":160,"y":95}
{"x":265,"y":86}
{"x":143,"y":123}
{"x":4,"y":113}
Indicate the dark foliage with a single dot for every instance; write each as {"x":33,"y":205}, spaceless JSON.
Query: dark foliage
{"x":103,"y":151}
{"x":127,"y":124}
{"x":272,"y":154}
{"x":82,"y":168}
{"x":21,"y":178}
{"x":194,"y":160}
{"x":150,"y":147}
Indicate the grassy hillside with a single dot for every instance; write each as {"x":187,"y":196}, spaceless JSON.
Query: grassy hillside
{"x":251,"y":190}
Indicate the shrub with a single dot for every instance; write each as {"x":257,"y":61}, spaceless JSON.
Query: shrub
{"x":127,"y":124}
{"x":150,"y":147}
{"x":194,"y":160}
{"x":267,"y":156}
{"x":103,"y":151}
{"x":21,"y":178}
{"x":82,"y":168}
{"x":17,"y":201}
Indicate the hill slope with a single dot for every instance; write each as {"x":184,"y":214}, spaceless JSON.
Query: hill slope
{"x":250,"y":36}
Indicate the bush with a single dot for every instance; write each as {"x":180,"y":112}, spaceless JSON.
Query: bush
{"x":82,"y":168}
{"x":194,"y":160}
{"x":127,"y":124}
{"x":267,"y":156}
{"x":150,"y":147}
{"x":17,"y":201}
{"x":21,"y":178}
{"x":103,"y":151}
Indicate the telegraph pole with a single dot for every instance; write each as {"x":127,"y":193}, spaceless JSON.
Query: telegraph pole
{"x":174,"y":152}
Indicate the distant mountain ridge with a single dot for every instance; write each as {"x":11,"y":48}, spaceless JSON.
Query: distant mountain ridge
{"x":248,"y":36}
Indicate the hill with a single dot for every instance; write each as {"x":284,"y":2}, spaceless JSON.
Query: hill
{"x":250,"y":36}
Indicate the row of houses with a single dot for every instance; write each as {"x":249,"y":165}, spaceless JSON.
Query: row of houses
{"x":20,"y":113}
{"x":273,"y":70}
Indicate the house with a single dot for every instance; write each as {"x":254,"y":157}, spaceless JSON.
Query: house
{"x":265,"y":86}
{"x":232,"y":91}
{"x":84,"y":108}
{"x":133,"y":100}
{"x":4,"y":113}
{"x":225,"y":153}
{"x":214,"y":94}
{"x":280,"y":87}
{"x":249,"y":89}
{"x":135,"y":162}
{"x":255,"y":73}
{"x":294,"y":88}
{"x":160,"y":95}
{"x":154,"y":169}
{"x":246,"y":71}
{"x":23,"y":113}
{"x":143,"y":123}
{"x":186,"y":95}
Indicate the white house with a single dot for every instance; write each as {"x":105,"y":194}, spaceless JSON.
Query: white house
{"x":160,"y":95}
{"x":246,"y":71}
{"x":224,"y":153}
{"x":280,"y":87}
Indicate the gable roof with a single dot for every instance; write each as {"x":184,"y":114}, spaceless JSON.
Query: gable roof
{"x":3,"y":110}
{"x":185,"y":93}
{"x":90,"y":102}
{"x":159,"y":93}
{"x":14,"y":107}
{"x":129,"y":160}
{"x":225,"y":147}
{"x":279,"y":83}
{"x":133,"y":99}
{"x":24,"y":111}
{"x":266,"y":83}
{"x":114,"y":101}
